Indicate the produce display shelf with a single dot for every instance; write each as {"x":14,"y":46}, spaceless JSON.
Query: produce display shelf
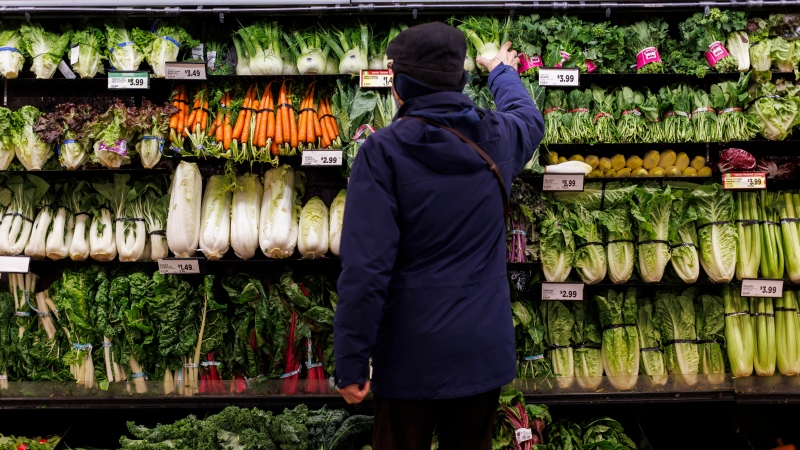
{"x":774,"y":389}
{"x":102,"y":80}
{"x":656,"y":80}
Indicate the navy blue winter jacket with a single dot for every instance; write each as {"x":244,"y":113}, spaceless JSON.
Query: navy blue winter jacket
{"x":423,"y":288}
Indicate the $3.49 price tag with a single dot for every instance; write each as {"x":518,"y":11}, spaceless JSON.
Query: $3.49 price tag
{"x":563,"y":182}
{"x":186,"y":70}
{"x":559,"y":77}
{"x":562,"y":291}
{"x":760,"y":287}
{"x":128,"y":80}
{"x":322,"y":158}
{"x":744,"y":180}
{"x":179,"y":266}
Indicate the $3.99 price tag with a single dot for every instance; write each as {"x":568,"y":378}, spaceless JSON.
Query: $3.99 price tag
{"x":322,"y":158}
{"x":744,"y":180}
{"x":562,"y":291}
{"x":559,"y":77}
{"x":563,"y":182}
{"x":179,"y":266}
{"x":760,"y":287}
{"x":128,"y":80}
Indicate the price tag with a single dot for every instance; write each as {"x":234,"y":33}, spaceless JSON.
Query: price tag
{"x":744,"y":180}
{"x":186,"y":71}
{"x":563,"y":182}
{"x":562,"y":291}
{"x":65,"y":70}
{"x":179,"y":266}
{"x":74,"y":53}
{"x":15,"y":264}
{"x":524,"y":435}
{"x":128,"y":80}
{"x":375,"y":79}
{"x":197,"y":53}
{"x":760,"y":287}
{"x":322,"y":158}
{"x":559,"y":77}
{"x":211,"y":59}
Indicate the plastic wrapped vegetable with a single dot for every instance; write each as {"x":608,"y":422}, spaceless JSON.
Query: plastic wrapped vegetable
{"x":652,"y":361}
{"x":184,"y":217}
{"x":216,"y":222}
{"x":620,"y":350}
{"x":280,"y":209}
{"x":11,"y":56}
{"x":245,"y":214}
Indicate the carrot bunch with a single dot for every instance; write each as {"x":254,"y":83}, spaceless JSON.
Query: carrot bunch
{"x":197,"y":123}
{"x":178,"y":121}
{"x":286,"y":137}
{"x":318,"y":128}
{"x":221,"y":129}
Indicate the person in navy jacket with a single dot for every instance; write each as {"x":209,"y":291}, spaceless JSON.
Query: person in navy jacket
{"x":423,"y":289}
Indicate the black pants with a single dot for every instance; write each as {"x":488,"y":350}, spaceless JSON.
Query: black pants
{"x":462,"y":423}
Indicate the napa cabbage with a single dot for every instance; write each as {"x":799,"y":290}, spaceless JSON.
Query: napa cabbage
{"x":335,"y":224}
{"x":245,"y":215}
{"x":280,"y":210}
{"x":216,"y":219}
{"x":312,"y":239}
{"x":184,"y":216}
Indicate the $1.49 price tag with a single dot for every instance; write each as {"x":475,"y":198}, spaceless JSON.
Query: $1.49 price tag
{"x":186,"y":70}
{"x":760,"y":287}
{"x":562,"y":291}
{"x":744,"y":180}
{"x":375,"y":79}
{"x":559,"y":77}
{"x":179,"y":266}
{"x":128,"y":80}
{"x":322,"y":158}
{"x":563,"y":182}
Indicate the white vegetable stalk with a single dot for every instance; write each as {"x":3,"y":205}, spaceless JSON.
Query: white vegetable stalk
{"x":6,"y":152}
{"x":279,"y":213}
{"x":36,"y":247}
{"x":101,"y":236}
{"x":337,"y":216}
{"x":469,"y":64}
{"x":183,"y":220}
{"x":216,"y":222}
{"x":15,"y":229}
{"x":245,"y":215}
{"x":59,"y":239}
{"x":353,"y":52}
{"x":242,"y":60}
{"x":79,"y":247}
{"x":155,"y":206}
{"x":131,"y":236}
{"x":312,"y":241}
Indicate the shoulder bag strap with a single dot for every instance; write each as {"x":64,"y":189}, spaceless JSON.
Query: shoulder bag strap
{"x":492,"y":166}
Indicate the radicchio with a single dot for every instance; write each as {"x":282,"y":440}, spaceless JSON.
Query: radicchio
{"x":773,"y":169}
{"x":736,"y":159}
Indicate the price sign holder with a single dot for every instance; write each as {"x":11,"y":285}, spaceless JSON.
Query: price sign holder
{"x":322,"y":158}
{"x":744,"y":180}
{"x":562,"y":291}
{"x":762,"y":288}
{"x":181,"y":266}
{"x":559,"y":77}
{"x":15,"y":264}
{"x":375,"y":79}
{"x":186,"y":70}
{"x":118,"y":79}
{"x":563,"y":182}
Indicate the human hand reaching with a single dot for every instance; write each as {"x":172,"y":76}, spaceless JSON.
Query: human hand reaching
{"x":505,"y":55}
{"x":354,"y":394}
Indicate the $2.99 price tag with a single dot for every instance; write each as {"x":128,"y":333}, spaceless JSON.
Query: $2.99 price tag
{"x":764,"y":288}
{"x":322,"y":158}
{"x":179,"y":266}
{"x":128,"y":80}
{"x":744,"y":180}
{"x":562,"y":291}
{"x":563,"y":182}
{"x":559,"y":77}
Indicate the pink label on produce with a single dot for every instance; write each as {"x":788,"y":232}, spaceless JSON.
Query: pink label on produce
{"x":564,"y":57}
{"x":647,"y":56}
{"x":590,"y":66}
{"x":529,"y":62}
{"x":715,"y":53}
{"x":120,"y":147}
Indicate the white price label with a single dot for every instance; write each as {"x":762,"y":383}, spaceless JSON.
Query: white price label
{"x":375,"y":79}
{"x":197,"y":53}
{"x":562,"y":291}
{"x":563,"y":182}
{"x":744,"y":180}
{"x":179,"y":266}
{"x":760,"y":287}
{"x":74,"y":52}
{"x":128,"y":80}
{"x":65,"y":70}
{"x":186,"y":71}
{"x":559,"y":77}
{"x":524,"y":435}
{"x":322,"y":158}
{"x":15,"y":264}
{"x":211,"y":59}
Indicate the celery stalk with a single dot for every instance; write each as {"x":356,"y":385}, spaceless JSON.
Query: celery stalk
{"x":764,"y":324}
{"x":786,"y":334}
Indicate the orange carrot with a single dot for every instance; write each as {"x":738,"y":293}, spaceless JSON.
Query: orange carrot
{"x":279,"y":128}
{"x":292,"y":124}
{"x":325,"y":140}
{"x":193,"y":116}
{"x":257,"y":131}
{"x":284,"y":112}
{"x":173,"y":121}
{"x":248,"y":118}
{"x":227,"y":137}
{"x":271,"y":119}
{"x":302,"y":121}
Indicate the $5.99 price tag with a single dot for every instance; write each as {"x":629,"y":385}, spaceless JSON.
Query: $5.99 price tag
{"x":744,"y":180}
{"x":322,"y":158}
{"x":186,"y":70}
{"x":764,"y":288}
{"x":559,"y":77}
{"x":562,"y":291}
{"x":128,"y":80}
{"x":179,"y":266}
{"x":563,"y":182}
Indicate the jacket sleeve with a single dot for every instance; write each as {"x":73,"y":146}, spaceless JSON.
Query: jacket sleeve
{"x":370,"y":236}
{"x":522,"y":116}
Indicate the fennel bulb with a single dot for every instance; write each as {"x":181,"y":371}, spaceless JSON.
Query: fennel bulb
{"x":242,"y":60}
{"x":245,"y":214}
{"x":183,"y":218}
{"x":331,"y":66}
{"x":11,"y":57}
{"x":290,"y":68}
{"x":469,"y":64}
{"x":377,"y":62}
{"x":311,"y":52}
{"x":15,"y":229}
{"x":335,"y":224}
{"x":102,"y":245}
{"x":312,"y":240}
{"x":486,"y":34}
{"x":279,"y":211}
{"x":353,"y":52}
{"x":124,"y":54}
{"x":45,"y":49}
{"x":263,"y":47}
{"x":216,"y":220}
